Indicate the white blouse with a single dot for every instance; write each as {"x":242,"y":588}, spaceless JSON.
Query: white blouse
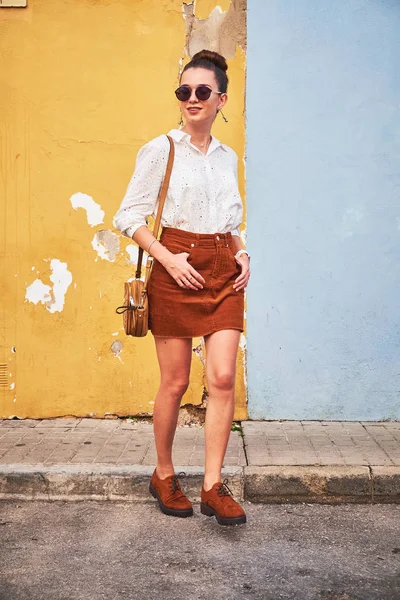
{"x":203,"y":194}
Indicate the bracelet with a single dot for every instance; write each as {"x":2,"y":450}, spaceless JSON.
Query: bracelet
{"x":240,"y":252}
{"x":148,"y":249}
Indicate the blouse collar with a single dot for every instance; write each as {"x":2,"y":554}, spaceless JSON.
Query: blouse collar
{"x":178,"y":135}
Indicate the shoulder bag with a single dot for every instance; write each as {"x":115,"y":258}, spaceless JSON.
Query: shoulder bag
{"x":135,"y":310}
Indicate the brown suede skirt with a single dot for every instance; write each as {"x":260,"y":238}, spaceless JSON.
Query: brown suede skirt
{"x":183,"y":313}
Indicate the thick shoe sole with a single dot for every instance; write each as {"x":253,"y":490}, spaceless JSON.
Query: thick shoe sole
{"x":210,"y":512}
{"x":172,"y":512}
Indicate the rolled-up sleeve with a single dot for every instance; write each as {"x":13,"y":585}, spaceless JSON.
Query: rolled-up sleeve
{"x":140,"y":200}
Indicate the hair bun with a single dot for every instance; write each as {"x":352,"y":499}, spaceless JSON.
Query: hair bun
{"x":217,"y":59}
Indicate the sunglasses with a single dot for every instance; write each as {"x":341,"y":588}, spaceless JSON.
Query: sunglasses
{"x":203,"y":92}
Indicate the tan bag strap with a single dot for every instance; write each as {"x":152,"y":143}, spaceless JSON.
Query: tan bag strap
{"x":161,"y":201}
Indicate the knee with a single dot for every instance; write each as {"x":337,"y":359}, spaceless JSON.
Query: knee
{"x":223,"y":381}
{"x":175,"y":387}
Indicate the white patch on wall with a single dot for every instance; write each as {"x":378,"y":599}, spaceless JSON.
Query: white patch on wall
{"x":199,"y":351}
{"x":94,"y":213}
{"x":106,"y":244}
{"x":116,"y":349}
{"x":62,"y":279}
{"x":243,"y":347}
{"x":38,"y":292}
{"x":52,"y":297}
{"x":133,"y":252}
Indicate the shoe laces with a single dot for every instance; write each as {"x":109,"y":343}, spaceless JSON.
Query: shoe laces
{"x":223,"y":489}
{"x":174,"y":483}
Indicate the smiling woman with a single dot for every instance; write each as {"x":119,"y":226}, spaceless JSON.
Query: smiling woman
{"x":197,"y":284}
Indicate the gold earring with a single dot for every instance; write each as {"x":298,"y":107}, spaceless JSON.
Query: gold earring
{"x":181,"y":119}
{"x":223,"y":116}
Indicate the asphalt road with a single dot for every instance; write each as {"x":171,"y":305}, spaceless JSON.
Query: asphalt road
{"x":113,"y":551}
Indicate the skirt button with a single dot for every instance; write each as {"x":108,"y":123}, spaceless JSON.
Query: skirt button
{"x":217,"y":238}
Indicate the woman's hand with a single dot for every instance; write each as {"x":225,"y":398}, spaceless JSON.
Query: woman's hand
{"x":183,"y":273}
{"x":243,"y":279}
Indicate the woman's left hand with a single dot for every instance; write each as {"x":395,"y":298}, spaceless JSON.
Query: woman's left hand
{"x":243,"y":279}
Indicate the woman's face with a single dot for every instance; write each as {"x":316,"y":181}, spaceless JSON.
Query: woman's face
{"x":200,"y":111}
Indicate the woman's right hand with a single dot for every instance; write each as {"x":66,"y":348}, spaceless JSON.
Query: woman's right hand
{"x":183,"y":272}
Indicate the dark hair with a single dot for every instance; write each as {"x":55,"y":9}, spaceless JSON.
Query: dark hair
{"x":206,"y":59}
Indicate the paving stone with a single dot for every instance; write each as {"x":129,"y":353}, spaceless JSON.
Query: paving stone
{"x":18,"y":423}
{"x":341,"y":442}
{"x":55,"y":423}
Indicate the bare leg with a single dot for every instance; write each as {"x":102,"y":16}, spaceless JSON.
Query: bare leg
{"x":221,"y":352}
{"x":174,"y":358}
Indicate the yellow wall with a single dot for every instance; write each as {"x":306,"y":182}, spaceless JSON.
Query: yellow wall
{"x":84,"y":84}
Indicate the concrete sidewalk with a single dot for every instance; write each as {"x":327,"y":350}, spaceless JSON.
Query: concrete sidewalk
{"x":266,"y":461}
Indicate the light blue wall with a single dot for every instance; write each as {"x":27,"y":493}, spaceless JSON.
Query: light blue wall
{"x":323,"y":188}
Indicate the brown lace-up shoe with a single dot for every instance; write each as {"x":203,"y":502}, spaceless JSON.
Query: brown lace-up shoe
{"x":219,"y":502}
{"x":171,"y":499}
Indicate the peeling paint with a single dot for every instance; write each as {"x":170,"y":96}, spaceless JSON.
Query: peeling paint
{"x":133,"y":252}
{"x":52,"y":297}
{"x":12,"y":386}
{"x":116,"y":349}
{"x":221,"y":32}
{"x":38,"y":292}
{"x":106,"y":244}
{"x":62,"y":279}
{"x":198,"y":350}
{"x":243,"y":347}
{"x":94,"y":213}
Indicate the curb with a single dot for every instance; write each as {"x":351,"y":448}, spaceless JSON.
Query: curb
{"x":265,"y":485}
{"x":324,"y":485}
{"x":98,"y":482}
